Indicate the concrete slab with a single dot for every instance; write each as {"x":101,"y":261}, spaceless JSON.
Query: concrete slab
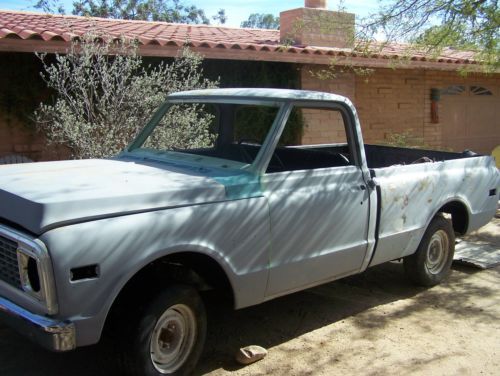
{"x":482,"y":256}
{"x":480,"y":249}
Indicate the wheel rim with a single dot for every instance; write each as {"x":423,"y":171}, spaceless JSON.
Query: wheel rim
{"x":173,"y":338}
{"x":437,"y":252}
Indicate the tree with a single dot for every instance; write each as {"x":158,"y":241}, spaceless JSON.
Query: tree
{"x":261,"y":21}
{"x":437,"y":24}
{"x":220,"y":17}
{"x":447,"y":37}
{"x":148,"y":10}
{"x":104,"y":94}
{"x":50,"y":6}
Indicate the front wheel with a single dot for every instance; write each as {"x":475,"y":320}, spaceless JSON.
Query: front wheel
{"x":431,"y":263}
{"x":170,"y":334}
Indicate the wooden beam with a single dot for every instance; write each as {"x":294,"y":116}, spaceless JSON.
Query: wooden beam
{"x":217,"y":53}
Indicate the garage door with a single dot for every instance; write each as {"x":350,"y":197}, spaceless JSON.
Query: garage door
{"x":470,"y":117}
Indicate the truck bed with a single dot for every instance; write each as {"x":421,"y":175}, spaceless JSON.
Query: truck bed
{"x":414,"y":184}
{"x":379,"y":156}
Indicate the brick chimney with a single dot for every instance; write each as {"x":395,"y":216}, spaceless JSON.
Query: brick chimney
{"x":315,"y":25}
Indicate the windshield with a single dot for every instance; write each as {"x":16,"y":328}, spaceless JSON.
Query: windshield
{"x":213,"y":131}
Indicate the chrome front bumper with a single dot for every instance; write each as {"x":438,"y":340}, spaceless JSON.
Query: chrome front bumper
{"x":51,"y":334}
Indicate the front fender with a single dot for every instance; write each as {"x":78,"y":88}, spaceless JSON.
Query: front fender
{"x":234,"y":233}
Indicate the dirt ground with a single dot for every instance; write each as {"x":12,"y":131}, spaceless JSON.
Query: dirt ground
{"x":375,"y":323}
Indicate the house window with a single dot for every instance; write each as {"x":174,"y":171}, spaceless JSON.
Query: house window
{"x":479,"y":90}
{"x":466,"y":90}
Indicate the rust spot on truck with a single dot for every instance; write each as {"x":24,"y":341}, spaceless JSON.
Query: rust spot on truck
{"x":424,"y":184}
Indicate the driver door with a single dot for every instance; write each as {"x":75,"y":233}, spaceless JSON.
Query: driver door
{"x":318,"y":203}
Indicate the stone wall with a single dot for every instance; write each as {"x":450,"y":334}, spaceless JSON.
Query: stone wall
{"x":392,"y":101}
{"x":389,"y":102}
{"x":322,"y":126}
{"x":398,"y":102}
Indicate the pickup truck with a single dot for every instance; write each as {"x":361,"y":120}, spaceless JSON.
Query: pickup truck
{"x":250,"y":193}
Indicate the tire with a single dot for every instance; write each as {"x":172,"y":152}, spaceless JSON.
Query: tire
{"x":431,"y":263}
{"x":168,"y":335}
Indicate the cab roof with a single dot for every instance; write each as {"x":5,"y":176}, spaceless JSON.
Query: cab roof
{"x":254,"y":93}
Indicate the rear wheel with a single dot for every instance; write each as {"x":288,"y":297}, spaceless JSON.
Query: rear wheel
{"x":169,"y":334}
{"x":431,"y":263}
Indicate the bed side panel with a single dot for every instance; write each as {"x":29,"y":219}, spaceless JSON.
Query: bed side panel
{"x":412,"y":194}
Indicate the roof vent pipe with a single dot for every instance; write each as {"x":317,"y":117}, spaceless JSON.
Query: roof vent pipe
{"x":319,"y":4}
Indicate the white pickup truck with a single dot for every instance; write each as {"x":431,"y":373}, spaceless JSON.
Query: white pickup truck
{"x":251,"y":205}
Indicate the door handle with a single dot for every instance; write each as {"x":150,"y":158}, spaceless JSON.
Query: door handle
{"x":372,"y":184}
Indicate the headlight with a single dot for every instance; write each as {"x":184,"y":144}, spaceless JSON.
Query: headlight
{"x":33,"y":273}
{"x":29,"y":273}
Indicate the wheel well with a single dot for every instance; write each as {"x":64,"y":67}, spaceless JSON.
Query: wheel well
{"x":459,"y":216}
{"x":190,"y":268}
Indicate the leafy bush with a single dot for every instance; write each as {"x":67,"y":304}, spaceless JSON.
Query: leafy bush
{"x":104,"y":94}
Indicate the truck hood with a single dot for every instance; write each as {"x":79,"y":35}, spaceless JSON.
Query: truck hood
{"x":41,"y":196}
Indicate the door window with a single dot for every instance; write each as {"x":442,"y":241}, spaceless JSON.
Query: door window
{"x":312,"y":138}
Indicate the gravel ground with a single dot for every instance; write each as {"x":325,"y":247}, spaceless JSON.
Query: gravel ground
{"x":375,"y":323}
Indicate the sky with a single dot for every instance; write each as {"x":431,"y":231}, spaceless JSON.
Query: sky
{"x":236,"y":10}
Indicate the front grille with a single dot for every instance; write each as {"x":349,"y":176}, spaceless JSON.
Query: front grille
{"x":9,"y":270}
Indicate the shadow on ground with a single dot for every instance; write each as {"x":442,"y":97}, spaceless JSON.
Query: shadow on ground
{"x":272,"y":323}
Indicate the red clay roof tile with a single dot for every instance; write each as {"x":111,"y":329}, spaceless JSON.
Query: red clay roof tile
{"x":47,"y":27}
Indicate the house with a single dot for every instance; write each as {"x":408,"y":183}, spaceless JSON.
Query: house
{"x":415,"y":95}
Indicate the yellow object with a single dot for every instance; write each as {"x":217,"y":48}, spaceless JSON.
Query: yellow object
{"x":496,"y":154}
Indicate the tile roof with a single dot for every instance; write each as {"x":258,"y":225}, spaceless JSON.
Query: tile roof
{"x":252,"y":44}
